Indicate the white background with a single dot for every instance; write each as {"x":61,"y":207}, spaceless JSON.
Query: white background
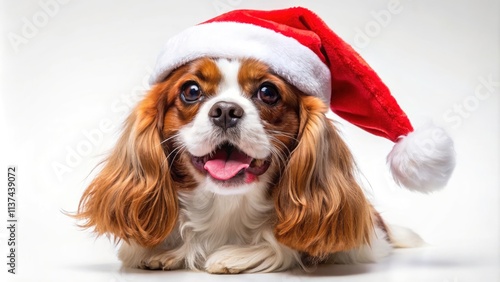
{"x":82,"y":65}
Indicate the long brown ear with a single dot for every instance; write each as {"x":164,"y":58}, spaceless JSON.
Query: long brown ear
{"x":132,"y":198}
{"x":321,"y":208}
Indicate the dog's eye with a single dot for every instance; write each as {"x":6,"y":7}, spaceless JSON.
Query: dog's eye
{"x":191,"y":92}
{"x":268,"y":94}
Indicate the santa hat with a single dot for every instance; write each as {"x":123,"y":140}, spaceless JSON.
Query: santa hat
{"x":302,"y":49}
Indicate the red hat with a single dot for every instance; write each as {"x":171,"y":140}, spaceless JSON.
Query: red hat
{"x":303,"y":50}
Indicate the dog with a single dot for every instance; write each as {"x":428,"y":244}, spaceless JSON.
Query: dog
{"x":226,"y":167}
{"x":230,"y":163}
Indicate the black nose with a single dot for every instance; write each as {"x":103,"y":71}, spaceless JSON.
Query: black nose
{"x":226,"y":114}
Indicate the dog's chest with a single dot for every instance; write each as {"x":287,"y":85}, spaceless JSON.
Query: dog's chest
{"x":217,"y":220}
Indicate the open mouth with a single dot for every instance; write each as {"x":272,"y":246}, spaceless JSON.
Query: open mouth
{"x":230,"y":165}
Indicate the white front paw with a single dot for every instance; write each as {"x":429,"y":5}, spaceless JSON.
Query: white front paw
{"x":236,"y":259}
{"x":218,"y":263}
{"x":162,"y":261}
{"x":222,"y":268}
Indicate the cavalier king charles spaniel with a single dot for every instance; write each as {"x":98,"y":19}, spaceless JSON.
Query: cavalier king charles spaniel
{"x":226,"y":167}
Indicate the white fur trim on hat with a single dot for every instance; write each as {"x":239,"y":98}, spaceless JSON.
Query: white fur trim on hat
{"x":424,"y":160}
{"x":291,"y":60}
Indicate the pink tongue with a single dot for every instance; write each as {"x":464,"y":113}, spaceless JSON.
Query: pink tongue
{"x":224,"y":167}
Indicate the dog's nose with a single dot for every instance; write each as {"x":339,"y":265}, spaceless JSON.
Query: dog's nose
{"x":226,"y":114}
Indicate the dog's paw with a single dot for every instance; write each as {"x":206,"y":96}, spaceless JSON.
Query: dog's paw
{"x":222,"y":268}
{"x":163,"y":261}
{"x":236,"y":259}
{"x":229,"y":260}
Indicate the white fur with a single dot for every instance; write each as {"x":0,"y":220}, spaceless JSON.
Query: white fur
{"x":424,"y":160}
{"x":378,"y":248}
{"x":381,"y":245}
{"x":402,"y":237}
{"x":285,"y":55}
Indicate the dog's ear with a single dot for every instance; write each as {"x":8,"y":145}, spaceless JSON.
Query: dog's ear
{"x":132,"y":198}
{"x":321,"y":208}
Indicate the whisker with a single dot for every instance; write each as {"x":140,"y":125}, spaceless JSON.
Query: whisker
{"x":280,"y":151}
{"x":284,"y":134}
{"x":279,"y":142}
{"x":169,"y":138}
{"x":178,"y":149}
{"x":178,"y":152}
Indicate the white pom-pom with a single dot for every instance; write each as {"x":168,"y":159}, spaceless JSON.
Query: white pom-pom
{"x":424,"y":160}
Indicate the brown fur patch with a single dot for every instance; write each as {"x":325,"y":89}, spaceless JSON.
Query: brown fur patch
{"x":321,"y":209}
